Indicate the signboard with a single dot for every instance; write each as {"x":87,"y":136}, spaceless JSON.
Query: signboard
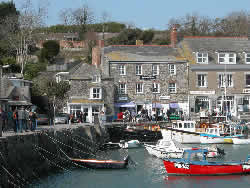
{"x":202,"y":92}
{"x":246,"y":90}
{"x":123,"y":98}
{"x":147,"y":77}
{"x":164,"y":97}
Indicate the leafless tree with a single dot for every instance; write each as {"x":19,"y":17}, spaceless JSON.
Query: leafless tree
{"x":104,"y":19}
{"x":20,"y":37}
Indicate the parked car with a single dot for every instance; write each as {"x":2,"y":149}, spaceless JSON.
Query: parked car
{"x":42,"y":119}
{"x":61,"y":118}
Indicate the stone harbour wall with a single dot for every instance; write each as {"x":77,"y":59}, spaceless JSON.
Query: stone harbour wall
{"x":28,"y":156}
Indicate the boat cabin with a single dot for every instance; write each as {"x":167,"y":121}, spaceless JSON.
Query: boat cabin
{"x":184,"y":125}
{"x":213,"y":131}
{"x":195,"y":155}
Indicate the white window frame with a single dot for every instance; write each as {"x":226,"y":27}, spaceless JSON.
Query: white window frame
{"x":228,"y":58}
{"x":139,"y":90}
{"x":172,"y":69}
{"x":122,"y":69}
{"x":202,"y":58}
{"x":172,"y":87}
{"x":98,"y":95}
{"x":156,"y":88}
{"x":155,"y":70}
{"x":247,"y":58}
{"x":138,"y":69}
{"x":122,"y":90}
{"x":202,"y":82}
{"x":96,"y":79}
{"x":225,"y":80}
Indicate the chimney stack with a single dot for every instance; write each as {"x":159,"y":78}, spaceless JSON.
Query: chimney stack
{"x":173,"y":36}
{"x":96,"y":53}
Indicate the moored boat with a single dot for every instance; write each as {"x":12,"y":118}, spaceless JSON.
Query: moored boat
{"x":173,"y":149}
{"x":241,"y":141}
{"x":194,"y":163}
{"x":101,"y":164}
{"x":129,"y":144}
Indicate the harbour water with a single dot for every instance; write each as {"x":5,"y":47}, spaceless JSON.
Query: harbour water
{"x":147,"y":172}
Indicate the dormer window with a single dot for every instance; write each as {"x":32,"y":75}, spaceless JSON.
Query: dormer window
{"x":96,"y":79}
{"x":247,"y":58}
{"x":202,"y":58}
{"x":227,"y":58}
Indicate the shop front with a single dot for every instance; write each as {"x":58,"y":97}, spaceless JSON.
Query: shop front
{"x":88,"y":108}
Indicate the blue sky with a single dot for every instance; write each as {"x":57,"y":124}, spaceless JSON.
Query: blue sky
{"x":146,"y":14}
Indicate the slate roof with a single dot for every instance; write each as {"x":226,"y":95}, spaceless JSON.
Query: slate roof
{"x":84,"y":71}
{"x":219,"y":44}
{"x":141,"y":53}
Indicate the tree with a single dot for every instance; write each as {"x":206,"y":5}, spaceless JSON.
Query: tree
{"x":20,"y":39}
{"x":50,"y":50}
{"x":81,"y":17}
{"x":147,"y":36}
{"x":57,"y":93}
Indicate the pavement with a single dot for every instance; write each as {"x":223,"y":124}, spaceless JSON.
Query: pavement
{"x":45,"y":127}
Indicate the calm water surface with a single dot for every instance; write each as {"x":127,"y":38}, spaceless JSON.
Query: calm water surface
{"x":148,"y":172}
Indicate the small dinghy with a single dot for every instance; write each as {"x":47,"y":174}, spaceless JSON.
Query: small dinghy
{"x":99,"y":164}
{"x":102,"y":164}
{"x":129,"y":144}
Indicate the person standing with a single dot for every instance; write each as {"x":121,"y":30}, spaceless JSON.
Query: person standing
{"x":15,"y":121}
{"x":33,"y":118}
{"x":4,"y":120}
{"x":21,"y":118}
{"x":26,"y":121}
{"x":10,"y":118}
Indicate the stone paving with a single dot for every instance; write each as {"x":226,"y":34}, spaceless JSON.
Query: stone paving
{"x":44,"y":127}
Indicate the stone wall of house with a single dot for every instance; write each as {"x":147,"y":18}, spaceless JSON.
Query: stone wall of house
{"x":31,"y":156}
{"x":164,"y":78}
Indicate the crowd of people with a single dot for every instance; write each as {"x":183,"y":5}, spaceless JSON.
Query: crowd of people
{"x":144,"y":115}
{"x":19,"y":119}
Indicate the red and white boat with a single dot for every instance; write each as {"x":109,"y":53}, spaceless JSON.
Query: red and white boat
{"x":194,"y":163}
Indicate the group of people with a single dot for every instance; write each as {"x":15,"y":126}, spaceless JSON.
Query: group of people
{"x":79,"y":116}
{"x":146,"y":115}
{"x":19,"y":119}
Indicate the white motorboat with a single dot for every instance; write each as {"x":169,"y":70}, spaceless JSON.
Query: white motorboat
{"x":129,"y":144}
{"x":184,"y":132}
{"x":174,"y":149}
{"x":165,"y":149}
{"x":241,"y":140}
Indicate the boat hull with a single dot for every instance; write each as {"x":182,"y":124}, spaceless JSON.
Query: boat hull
{"x":180,"y":136}
{"x":163,"y":153}
{"x":212,"y":140}
{"x":241,"y":141}
{"x":175,"y":168}
{"x":101,"y":164}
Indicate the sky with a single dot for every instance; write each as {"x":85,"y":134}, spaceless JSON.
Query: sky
{"x":144,"y":14}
